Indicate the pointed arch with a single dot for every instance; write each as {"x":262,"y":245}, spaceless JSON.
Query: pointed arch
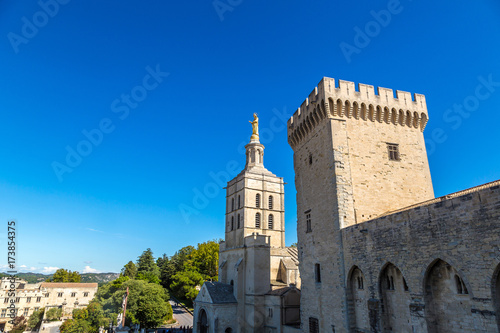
{"x":395,"y":299}
{"x":446,"y":299}
{"x":357,"y":298}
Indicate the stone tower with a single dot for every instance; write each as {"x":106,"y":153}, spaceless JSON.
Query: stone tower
{"x":255,"y":201}
{"x":357,"y":155}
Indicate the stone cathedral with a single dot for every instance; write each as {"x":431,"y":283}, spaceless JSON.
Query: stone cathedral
{"x":258,"y":287}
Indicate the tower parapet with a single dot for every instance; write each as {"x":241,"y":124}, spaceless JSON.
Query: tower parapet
{"x":364,"y":104}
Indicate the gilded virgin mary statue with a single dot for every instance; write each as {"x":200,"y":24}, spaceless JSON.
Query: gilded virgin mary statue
{"x":255,"y":128}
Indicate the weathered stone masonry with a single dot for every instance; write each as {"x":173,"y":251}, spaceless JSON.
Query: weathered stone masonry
{"x":377,"y":252}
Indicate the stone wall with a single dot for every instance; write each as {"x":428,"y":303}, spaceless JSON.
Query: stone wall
{"x":447,"y":253}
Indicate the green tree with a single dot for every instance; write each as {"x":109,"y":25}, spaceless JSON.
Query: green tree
{"x":146,"y":262}
{"x":184,"y":284}
{"x":161,"y":261}
{"x":35,"y":320}
{"x":63,"y":275}
{"x":176,"y":264}
{"x":19,"y":325}
{"x":150,"y":277}
{"x":130,"y":270}
{"x":206,"y":259}
{"x":54,"y":314}
{"x":95,"y":316}
{"x":74,"y":276}
{"x":110,"y":296}
{"x":75,"y":326}
{"x":153,"y":308}
{"x":146,"y":266}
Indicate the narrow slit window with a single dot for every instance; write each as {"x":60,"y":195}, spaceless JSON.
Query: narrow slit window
{"x":257,"y":220}
{"x":270,"y":202}
{"x":257,"y":200}
{"x":270,"y":222}
{"x":317,"y":273}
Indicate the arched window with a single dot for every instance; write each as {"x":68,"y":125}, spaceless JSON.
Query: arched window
{"x":271,"y":197}
{"x":239,"y":201}
{"x":257,"y":220}
{"x":238,"y":221}
{"x":232,"y":223}
{"x":232,"y":204}
{"x":270,"y":222}
{"x":257,"y":200}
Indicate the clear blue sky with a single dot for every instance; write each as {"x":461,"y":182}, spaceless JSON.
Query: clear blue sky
{"x":71,"y":71}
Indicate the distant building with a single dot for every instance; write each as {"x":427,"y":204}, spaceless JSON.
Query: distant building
{"x":29,"y":298}
{"x":258,"y":288}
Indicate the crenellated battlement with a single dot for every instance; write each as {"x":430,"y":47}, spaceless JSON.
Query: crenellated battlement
{"x":364,"y":103}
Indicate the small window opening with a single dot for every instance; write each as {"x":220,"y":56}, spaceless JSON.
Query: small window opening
{"x":257,"y":220}
{"x":257,"y":200}
{"x":270,"y":202}
{"x":393,"y":150}
{"x":317,"y":272}
{"x":313,"y":325}
{"x":310,"y":159}
{"x":270,"y":222}
{"x":308,"y":223}
{"x":461,"y":288}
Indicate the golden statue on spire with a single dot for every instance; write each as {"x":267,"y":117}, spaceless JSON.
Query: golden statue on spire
{"x":255,"y":128}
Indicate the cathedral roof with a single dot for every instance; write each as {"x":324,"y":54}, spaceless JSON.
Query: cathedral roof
{"x":220,"y":292}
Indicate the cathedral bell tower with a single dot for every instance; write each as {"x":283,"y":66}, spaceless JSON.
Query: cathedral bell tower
{"x":255,"y":199}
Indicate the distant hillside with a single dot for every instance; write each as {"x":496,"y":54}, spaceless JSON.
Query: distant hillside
{"x":86,"y":277}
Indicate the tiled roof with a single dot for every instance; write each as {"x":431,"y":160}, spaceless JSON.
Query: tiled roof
{"x":220,"y":292}
{"x":294,"y":253}
{"x":67,"y":285}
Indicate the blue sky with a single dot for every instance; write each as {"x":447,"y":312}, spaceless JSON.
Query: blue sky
{"x":197,"y":72}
